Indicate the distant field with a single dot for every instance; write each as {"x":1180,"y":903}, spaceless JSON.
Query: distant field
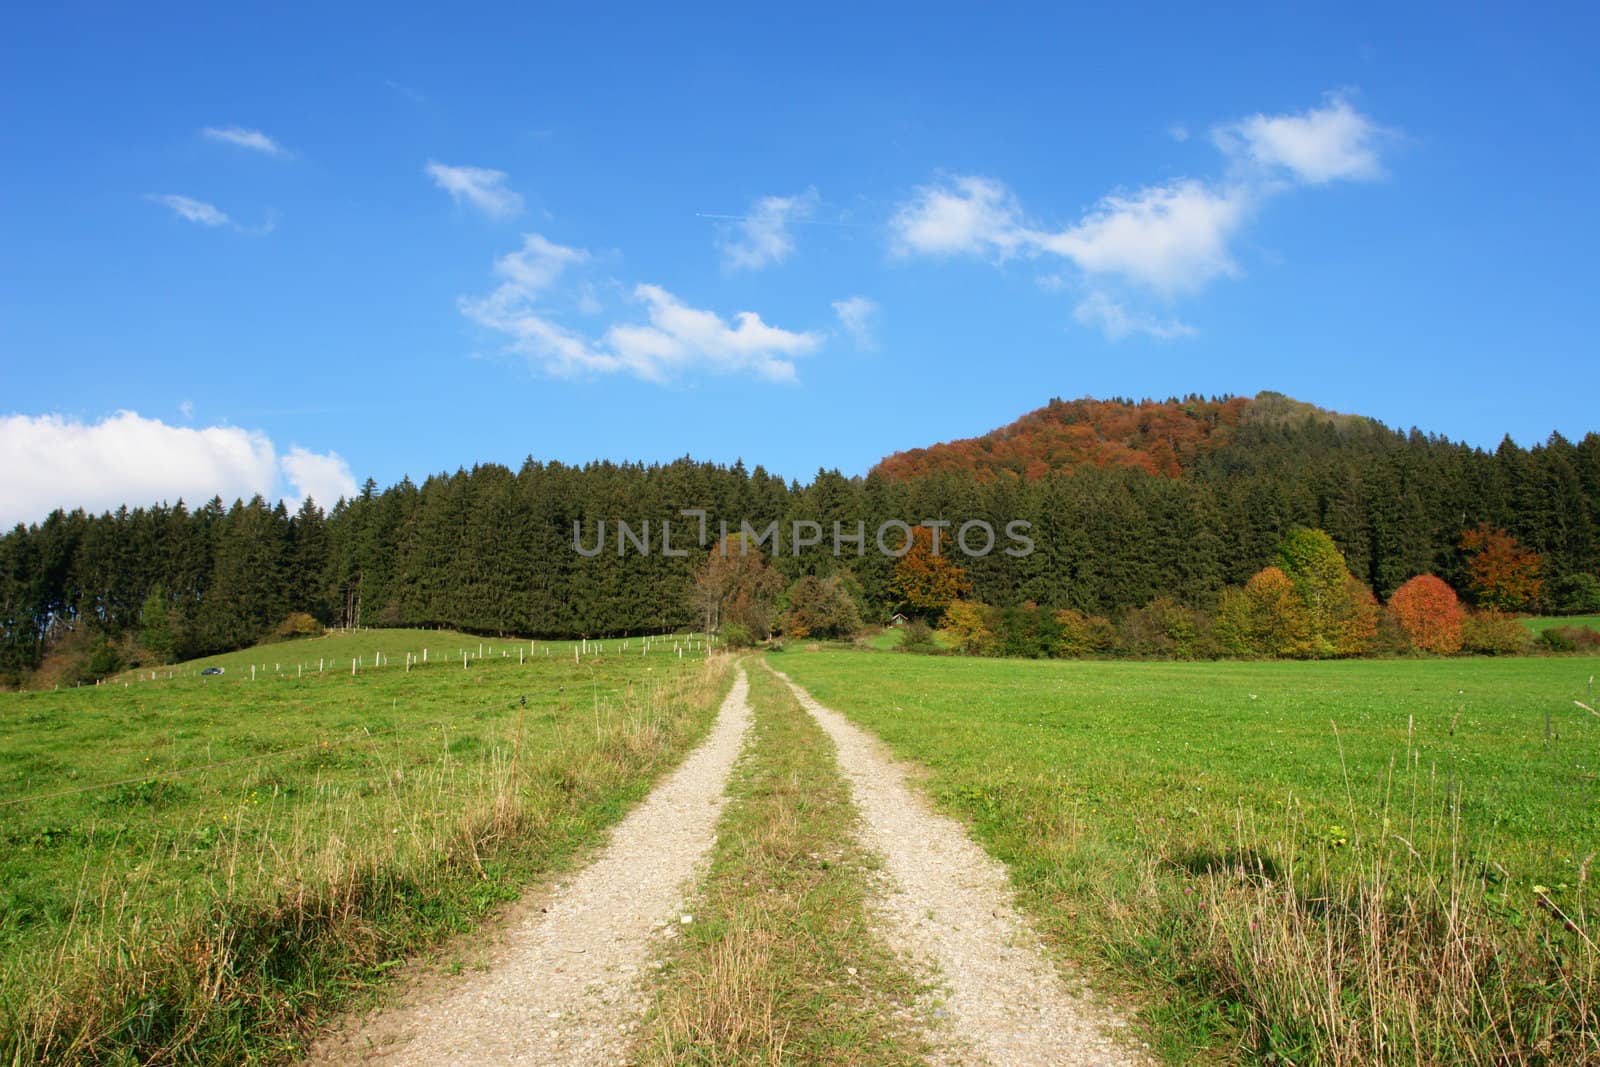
{"x":1155,"y":815}
{"x":1548,"y":621}
{"x":130,"y":813}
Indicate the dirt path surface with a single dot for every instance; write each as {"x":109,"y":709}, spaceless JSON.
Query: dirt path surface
{"x":564,"y":987}
{"x":950,"y":906}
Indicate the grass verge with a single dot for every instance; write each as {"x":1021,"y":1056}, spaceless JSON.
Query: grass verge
{"x":780,"y":964}
{"x":217,"y":916}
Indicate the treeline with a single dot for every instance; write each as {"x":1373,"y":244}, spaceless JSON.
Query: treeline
{"x":491,"y":550}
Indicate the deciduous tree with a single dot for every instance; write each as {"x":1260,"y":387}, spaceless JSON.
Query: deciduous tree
{"x":1429,"y":614}
{"x":1500,"y":572}
{"x":1265,"y":618}
{"x":738,"y":586}
{"x":925,"y":580}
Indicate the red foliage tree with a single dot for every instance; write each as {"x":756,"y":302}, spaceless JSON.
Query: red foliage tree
{"x":1429,"y":614}
{"x":1500,"y":572}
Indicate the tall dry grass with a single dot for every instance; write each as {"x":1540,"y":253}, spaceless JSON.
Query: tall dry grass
{"x":1386,"y":940}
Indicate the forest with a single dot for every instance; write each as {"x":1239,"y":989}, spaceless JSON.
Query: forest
{"x":1129,"y":503}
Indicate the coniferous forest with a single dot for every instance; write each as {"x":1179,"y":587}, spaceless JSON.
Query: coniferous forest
{"x":1128,"y":503}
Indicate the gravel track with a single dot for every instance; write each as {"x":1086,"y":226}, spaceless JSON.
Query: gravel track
{"x":949,"y":904}
{"x":565,"y":986}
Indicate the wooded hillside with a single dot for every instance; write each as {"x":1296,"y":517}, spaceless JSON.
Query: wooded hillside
{"x":1127,"y":502}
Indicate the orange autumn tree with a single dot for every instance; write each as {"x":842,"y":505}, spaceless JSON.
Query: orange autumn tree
{"x":1501,"y":573}
{"x":925,"y":580}
{"x":1428,"y":612}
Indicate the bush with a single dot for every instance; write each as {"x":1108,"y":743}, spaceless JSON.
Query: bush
{"x":1493,"y":633}
{"x":1165,"y":629}
{"x":1569,"y":639}
{"x":736,"y":635}
{"x":297,"y":624}
{"x":970,"y":626}
{"x":1083,"y":635}
{"x":1028,"y":631}
{"x":917,"y":636}
{"x":103,"y":660}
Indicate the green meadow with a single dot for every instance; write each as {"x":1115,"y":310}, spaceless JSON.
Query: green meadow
{"x":1548,"y":622}
{"x":1339,"y":862}
{"x":213,"y":862}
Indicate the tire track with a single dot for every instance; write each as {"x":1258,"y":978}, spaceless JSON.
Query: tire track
{"x":566,"y":987}
{"x":950,"y":906}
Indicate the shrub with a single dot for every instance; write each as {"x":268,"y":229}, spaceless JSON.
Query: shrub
{"x":1430,"y":614}
{"x":970,"y":627}
{"x":1028,"y":631}
{"x":297,"y":624}
{"x":736,"y":635}
{"x":1083,"y":635}
{"x":103,"y":662}
{"x":1493,"y":633}
{"x":917,"y":636}
{"x":1166,"y":629}
{"x":1569,"y":639}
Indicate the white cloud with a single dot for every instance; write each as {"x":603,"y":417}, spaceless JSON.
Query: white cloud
{"x":1178,"y":132}
{"x":1101,"y":312}
{"x":323,"y":478}
{"x":680,"y":337}
{"x":51,"y":461}
{"x":674,"y":339}
{"x":1317,"y":146}
{"x":193,"y":210}
{"x":483,"y":189}
{"x":965,"y":216}
{"x":1171,"y":238}
{"x":537,"y":265}
{"x":764,"y":236}
{"x":254,"y":140}
{"x":856,"y":315}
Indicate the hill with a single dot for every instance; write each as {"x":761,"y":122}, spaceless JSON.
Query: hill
{"x":1160,"y":437}
{"x":1126,"y":502}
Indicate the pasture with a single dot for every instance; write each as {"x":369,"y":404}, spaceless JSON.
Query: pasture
{"x":1343,"y":862}
{"x":213,"y":861}
{"x":1540,"y":623}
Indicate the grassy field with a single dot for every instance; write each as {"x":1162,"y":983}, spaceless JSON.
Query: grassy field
{"x":206,"y":864}
{"x":1349,"y":862}
{"x":1547,"y":622}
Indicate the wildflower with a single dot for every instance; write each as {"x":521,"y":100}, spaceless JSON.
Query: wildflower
{"x":1541,"y":890}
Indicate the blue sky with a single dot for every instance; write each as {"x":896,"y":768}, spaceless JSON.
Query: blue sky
{"x":284,"y":250}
